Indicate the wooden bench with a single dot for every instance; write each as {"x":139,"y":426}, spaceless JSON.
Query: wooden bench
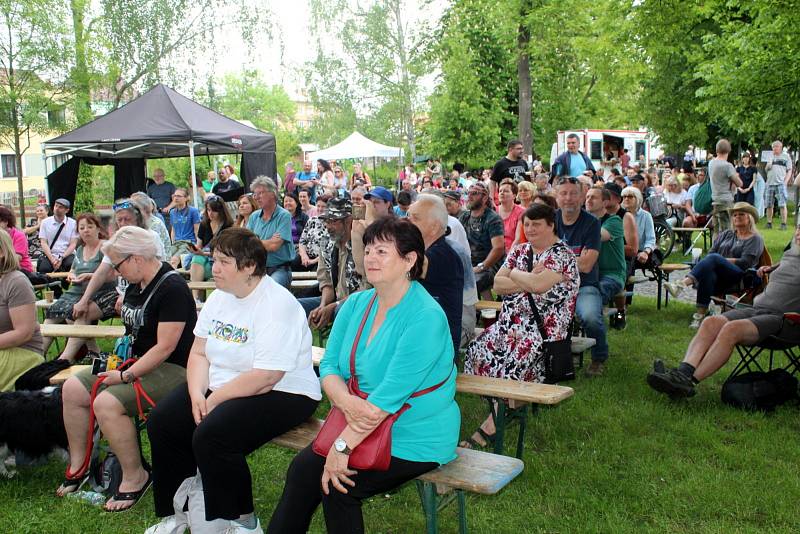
{"x":500,"y":390}
{"x":478,"y":472}
{"x":488,"y":305}
{"x":82,"y":330}
{"x":304,"y":284}
{"x":65,"y":374}
{"x":209,"y":285}
{"x":304,"y":275}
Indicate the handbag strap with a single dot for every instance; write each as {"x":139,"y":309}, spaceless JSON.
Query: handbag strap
{"x":58,"y":233}
{"x":135,"y":328}
{"x":353,"y":382}
{"x":536,"y":316}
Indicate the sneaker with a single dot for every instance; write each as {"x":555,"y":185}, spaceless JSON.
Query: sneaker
{"x":697,"y":318}
{"x":769,"y":226}
{"x":783,"y":226}
{"x":595,"y":369}
{"x":168,"y":525}
{"x":618,"y":321}
{"x":674,"y":383}
{"x":659,"y":367}
{"x":238,"y":528}
{"x":675,"y":289}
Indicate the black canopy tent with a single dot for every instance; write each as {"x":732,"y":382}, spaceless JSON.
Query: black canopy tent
{"x":159,"y":124}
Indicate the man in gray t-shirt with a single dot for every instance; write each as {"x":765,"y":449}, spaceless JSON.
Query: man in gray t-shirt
{"x":724,"y":179}
{"x":718,"y":335}
{"x":779,"y":169}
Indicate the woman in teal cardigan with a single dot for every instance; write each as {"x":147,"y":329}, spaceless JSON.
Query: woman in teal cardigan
{"x":405,"y":347}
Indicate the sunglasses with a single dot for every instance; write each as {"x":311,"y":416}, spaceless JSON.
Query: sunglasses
{"x":122,"y":206}
{"x":567,"y":180}
{"x":116,"y":266}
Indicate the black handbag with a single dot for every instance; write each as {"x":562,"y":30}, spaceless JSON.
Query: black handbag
{"x":558,"y":363}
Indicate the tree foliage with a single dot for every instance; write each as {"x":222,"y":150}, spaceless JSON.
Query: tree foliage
{"x":32,"y":56}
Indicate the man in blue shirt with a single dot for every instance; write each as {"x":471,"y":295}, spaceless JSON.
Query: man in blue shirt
{"x":185,"y":223}
{"x":306,"y":180}
{"x":161,"y":192}
{"x":573,"y":162}
{"x":580,"y":231}
{"x":273,"y":225}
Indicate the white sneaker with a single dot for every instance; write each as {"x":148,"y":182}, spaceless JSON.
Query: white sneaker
{"x":674,"y":289}
{"x":168,"y":525}
{"x":697,"y":318}
{"x":238,"y":528}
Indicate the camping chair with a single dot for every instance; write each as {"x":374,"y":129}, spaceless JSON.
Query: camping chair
{"x":748,"y":288}
{"x":748,"y":354}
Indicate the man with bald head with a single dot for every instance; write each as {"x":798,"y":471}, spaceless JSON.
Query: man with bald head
{"x":443,"y":275}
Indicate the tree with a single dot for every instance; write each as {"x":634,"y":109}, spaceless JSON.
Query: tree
{"x":384,"y":60}
{"x":31,"y":46}
{"x":247,"y":96}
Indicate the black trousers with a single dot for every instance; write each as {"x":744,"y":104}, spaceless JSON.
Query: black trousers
{"x":44,"y":265}
{"x":217,"y":447}
{"x":303,"y":493}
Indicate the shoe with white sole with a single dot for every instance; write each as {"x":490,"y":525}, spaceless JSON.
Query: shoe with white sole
{"x":238,"y":528}
{"x":697,"y":318}
{"x":168,"y":525}
{"x":675,"y":289}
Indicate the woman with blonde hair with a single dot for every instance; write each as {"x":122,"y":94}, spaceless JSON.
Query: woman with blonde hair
{"x":159,"y":312}
{"x":20,"y":339}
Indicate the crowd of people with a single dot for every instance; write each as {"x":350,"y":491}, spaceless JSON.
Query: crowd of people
{"x":399,"y":275}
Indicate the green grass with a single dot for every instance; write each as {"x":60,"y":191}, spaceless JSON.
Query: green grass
{"x":616,"y":457}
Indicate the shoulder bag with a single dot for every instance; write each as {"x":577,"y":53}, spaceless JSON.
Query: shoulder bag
{"x":375,"y":452}
{"x":558,"y":364}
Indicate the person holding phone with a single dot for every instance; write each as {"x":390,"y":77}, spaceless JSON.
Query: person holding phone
{"x":216,"y":218}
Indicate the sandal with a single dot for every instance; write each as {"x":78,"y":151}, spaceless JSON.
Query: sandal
{"x":471,"y":443}
{"x":134,"y":496}
{"x":73,"y":483}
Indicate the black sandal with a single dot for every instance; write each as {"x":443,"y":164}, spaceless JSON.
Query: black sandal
{"x":470,"y":442}
{"x":134,"y":496}
{"x":74,"y":483}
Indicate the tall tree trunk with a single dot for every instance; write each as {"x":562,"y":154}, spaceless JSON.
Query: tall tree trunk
{"x":84,"y":198}
{"x":408,"y":108}
{"x":18,"y":163}
{"x":524,"y":77}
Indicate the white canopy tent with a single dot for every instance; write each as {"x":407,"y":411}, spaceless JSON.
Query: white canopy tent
{"x":357,"y":146}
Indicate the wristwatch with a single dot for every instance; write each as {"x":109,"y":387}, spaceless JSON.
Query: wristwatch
{"x":340,"y":445}
{"x":481,"y":266}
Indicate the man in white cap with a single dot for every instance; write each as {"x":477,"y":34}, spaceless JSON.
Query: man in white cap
{"x":58,"y":235}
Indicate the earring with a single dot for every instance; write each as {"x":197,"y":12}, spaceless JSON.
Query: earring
{"x":408,"y":275}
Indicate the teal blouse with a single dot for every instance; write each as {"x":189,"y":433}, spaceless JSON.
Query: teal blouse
{"x":411,"y":351}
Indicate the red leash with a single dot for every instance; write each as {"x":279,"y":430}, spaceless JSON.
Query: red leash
{"x":140,"y":392}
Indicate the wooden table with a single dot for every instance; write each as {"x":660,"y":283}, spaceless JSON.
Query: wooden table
{"x":706,"y":231}
{"x":42,"y":304}
{"x":61,"y":275}
{"x":82,"y":330}
{"x":207,"y":286}
{"x":304,"y":284}
{"x":304,"y":275}
{"x":488,"y":305}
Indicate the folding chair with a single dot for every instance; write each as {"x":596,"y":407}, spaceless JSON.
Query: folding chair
{"x":749,"y":354}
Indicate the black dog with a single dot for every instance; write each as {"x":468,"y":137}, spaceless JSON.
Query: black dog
{"x":31,"y":422}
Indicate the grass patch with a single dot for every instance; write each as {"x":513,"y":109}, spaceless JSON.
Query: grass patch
{"x":617,"y":457}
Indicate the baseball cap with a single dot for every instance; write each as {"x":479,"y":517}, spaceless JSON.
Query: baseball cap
{"x":337,"y":208}
{"x":452,"y":195}
{"x":381,"y":193}
{"x":64,"y":202}
{"x":614,"y":189}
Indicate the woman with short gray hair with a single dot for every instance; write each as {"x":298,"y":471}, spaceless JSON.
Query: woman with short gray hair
{"x":159,"y":313}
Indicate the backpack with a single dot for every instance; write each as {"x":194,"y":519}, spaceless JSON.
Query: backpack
{"x":702,"y":198}
{"x":759,"y":390}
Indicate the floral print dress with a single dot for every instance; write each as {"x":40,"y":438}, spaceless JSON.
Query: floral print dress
{"x":511,"y":348}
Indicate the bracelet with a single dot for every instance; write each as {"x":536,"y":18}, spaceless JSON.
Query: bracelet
{"x":121,"y":378}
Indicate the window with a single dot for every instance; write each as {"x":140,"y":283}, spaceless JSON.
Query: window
{"x":597,"y":150}
{"x":56,"y":117}
{"x":640,"y":148}
{"x":9,"y":164}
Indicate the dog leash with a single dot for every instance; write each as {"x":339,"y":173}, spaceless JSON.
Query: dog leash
{"x":140,"y":392}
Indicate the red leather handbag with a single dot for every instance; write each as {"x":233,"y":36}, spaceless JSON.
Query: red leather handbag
{"x":375,"y":452}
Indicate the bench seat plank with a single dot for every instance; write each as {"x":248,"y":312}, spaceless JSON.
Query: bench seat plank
{"x":304,"y":275}
{"x":82,"y":330}
{"x":488,"y":305}
{"x":473,"y":471}
{"x":64,"y":374}
{"x":496,"y":387}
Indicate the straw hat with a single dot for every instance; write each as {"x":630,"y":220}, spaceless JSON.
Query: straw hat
{"x":745,"y":207}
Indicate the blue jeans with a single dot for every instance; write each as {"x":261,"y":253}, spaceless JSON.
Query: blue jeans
{"x":609,"y":287}
{"x":312,"y":303}
{"x":589,"y":309}
{"x":282,"y":275}
{"x":714,"y":274}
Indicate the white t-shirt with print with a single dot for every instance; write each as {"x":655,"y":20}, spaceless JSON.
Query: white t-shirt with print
{"x":265,"y":330}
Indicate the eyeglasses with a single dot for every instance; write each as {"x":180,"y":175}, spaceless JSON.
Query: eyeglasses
{"x":122,"y":205}
{"x":213,"y":198}
{"x":116,"y":266}
{"x":628,"y":196}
